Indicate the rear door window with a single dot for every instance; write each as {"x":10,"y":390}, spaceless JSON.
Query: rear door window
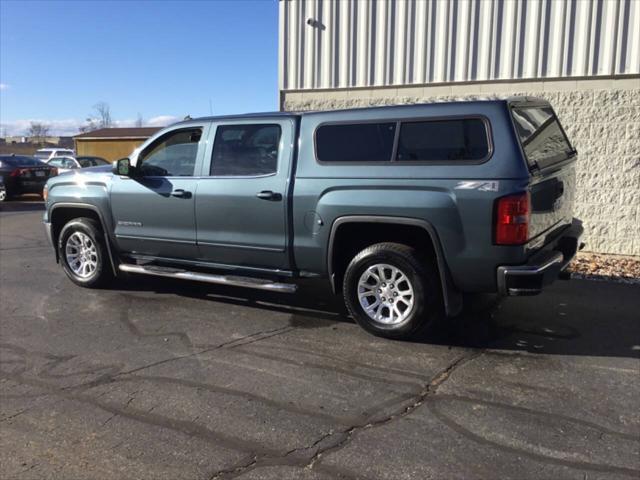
{"x":361,"y":142}
{"x":245,"y":150}
{"x":436,"y":141}
{"x":541,"y":136}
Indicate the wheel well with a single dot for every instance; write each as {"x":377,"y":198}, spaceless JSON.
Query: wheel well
{"x":351,"y":238}
{"x":61,"y":216}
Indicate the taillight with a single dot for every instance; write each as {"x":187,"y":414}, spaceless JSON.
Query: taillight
{"x":16,"y":172}
{"x":513,"y":214}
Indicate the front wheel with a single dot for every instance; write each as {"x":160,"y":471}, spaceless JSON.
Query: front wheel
{"x":83,"y":253}
{"x":392,"y":290}
{"x":3,"y":194}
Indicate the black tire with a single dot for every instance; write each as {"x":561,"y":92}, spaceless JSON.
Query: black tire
{"x":102,"y":273}
{"x":422,"y":274}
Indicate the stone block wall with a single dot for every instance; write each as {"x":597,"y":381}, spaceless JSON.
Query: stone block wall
{"x":601,"y":117}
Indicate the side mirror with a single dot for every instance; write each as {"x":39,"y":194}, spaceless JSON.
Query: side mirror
{"x":122,"y":167}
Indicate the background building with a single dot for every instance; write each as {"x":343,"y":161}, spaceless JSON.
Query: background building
{"x":112,"y":143}
{"x":583,"y":56}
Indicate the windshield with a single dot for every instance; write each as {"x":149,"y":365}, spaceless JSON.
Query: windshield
{"x":543,"y":141}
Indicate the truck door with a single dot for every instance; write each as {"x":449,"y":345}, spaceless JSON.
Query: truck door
{"x":241,"y":204}
{"x":153,"y":210}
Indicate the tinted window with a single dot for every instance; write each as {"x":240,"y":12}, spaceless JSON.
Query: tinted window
{"x":245,"y":150}
{"x":443,"y":140}
{"x":362,"y":142}
{"x":541,"y":136}
{"x":172,"y":155}
{"x":91,"y":161}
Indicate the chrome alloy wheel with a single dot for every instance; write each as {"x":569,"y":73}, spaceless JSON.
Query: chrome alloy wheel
{"x":385,"y":294}
{"x":3,"y":194}
{"x":81,"y":254}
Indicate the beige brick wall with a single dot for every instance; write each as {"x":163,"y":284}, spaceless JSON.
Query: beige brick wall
{"x":602,"y":118}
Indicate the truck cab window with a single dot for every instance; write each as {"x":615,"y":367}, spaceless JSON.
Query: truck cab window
{"x":245,"y":150}
{"x":172,"y":155}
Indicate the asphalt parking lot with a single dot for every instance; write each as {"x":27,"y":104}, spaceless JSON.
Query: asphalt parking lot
{"x":159,"y":379}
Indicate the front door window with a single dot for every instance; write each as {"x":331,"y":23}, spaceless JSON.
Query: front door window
{"x":172,"y":155}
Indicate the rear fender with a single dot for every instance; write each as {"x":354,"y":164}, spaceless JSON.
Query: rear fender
{"x":452,"y":297}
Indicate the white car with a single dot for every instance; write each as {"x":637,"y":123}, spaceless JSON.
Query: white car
{"x":67,"y":163}
{"x":46,"y":154}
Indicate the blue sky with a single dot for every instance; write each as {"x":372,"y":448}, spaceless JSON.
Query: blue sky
{"x":163,"y":59}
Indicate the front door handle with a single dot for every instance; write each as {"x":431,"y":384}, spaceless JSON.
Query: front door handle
{"x":180,"y":193}
{"x":269,"y":195}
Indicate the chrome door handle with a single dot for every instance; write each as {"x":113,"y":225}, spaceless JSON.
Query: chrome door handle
{"x":180,"y":193}
{"x":269,"y":195}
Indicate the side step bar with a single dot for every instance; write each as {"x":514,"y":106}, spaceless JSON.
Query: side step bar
{"x":247,"y":282}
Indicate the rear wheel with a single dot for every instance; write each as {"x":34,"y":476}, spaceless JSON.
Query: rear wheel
{"x":392,"y":290}
{"x":83,"y":253}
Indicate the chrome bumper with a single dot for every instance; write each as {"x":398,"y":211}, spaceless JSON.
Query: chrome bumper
{"x":544,"y":267}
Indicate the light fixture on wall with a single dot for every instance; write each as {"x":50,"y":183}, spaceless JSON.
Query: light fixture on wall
{"x":312,"y":22}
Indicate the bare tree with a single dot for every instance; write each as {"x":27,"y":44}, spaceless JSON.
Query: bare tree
{"x":103,"y":112}
{"x":92,"y":124}
{"x":139,"y":120}
{"x":38,"y":131}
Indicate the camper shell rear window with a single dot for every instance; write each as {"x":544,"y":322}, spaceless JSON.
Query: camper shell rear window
{"x":542,"y":138}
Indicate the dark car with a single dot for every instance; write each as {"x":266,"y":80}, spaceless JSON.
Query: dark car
{"x":21,"y":174}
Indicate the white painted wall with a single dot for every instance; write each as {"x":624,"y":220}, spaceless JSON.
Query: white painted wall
{"x":365,"y":43}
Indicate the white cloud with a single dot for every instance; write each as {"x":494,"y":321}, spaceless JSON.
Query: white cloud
{"x":71,"y":126}
{"x":4,"y":86}
{"x":161,"y":121}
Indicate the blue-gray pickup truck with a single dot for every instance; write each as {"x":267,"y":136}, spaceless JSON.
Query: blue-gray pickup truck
{"x":401,"y":209}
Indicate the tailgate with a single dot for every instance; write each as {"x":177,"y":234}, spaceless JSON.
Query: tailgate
{"x":551,"y":160}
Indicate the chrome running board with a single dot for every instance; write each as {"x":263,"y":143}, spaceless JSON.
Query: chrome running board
{"x":248,"y":282}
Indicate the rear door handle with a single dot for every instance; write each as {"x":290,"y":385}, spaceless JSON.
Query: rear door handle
{"x":269,"y":195}
{"x":180,"y":193}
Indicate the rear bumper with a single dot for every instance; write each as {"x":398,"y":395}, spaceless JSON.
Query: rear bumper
{"x":543,"y":267}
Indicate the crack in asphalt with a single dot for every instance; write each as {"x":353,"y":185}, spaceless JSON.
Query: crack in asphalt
{"x":229,"y":344}
{"x":343,"y":437}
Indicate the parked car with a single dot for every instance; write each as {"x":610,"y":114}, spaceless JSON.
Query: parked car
{"x":22,"y":174}
{"x":401,"y":209}
{"x":46,"y":154}
{"x":88,"y":161}
{"x":65,"y":164}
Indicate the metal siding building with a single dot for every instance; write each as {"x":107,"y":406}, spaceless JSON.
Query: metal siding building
{"x":581,"y":55}
{"x":329,"y":44}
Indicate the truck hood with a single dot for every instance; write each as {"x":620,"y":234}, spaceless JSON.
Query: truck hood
{"x":89,"y":175}
{"x":89,"y":170}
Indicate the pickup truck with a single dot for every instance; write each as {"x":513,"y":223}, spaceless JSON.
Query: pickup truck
{"x":402,"y":209}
